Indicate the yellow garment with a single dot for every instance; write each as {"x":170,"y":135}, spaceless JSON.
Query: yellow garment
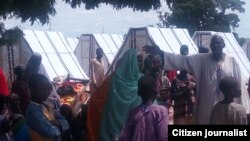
{"x":48,"y":111}
{"x":34,"y":136}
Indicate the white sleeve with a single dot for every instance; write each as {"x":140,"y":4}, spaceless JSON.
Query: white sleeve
{"x":180,"y":62}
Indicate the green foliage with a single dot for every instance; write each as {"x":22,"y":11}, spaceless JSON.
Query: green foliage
{"x":10,"y":37}
{"x":137,"y":5}
{"x":240,"y":40}
{"x":28,"y":10}
{"x":215,"y":15}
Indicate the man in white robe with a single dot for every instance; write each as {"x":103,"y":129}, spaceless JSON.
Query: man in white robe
{"x":208,"y":69}
{"x":96,"y":70}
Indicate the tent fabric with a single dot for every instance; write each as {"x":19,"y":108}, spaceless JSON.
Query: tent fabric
{"x":58,"y":58}
{"x":122,"y":98}
{"x":246,"y":48}
{"x":72,"y":42}
{"x":168,"y":39}
{"x":88,"y":43}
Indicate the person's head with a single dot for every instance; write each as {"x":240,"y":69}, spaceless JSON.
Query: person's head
{"x":40,"y":88}
{"x":147,"y":88}
{"x":148,"y":64}
{"x":184,"y":50}
{"x":152,"y":64}
{"x":140,"y":61}
{"x":99,"y":53}
{"x":183,"y":75}
{"x":217,"y":44}
{"x":19,"y":71}
{"x":230,"y":87}
{"x":156,"y":63}
{"x":35,"y":60}
{"x":203,"y":49}
{"x":32,"y":66}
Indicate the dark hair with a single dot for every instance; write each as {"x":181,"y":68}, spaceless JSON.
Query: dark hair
{"x":146,"y":83}
{"x":33,"y":66}
{"x":184,"y":47}
{"x":99,"y":49}
{"x":18,"y":70}
{"x":228,"y":82}
{"x":35,"y":80}
{"x":214,"y":37}
{"x":147,"y":63}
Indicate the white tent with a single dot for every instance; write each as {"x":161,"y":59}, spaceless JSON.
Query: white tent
{"x":58,"y":59}
{"x":72,"y":42}
{"x":246,"y":48}
{"x":168,"y":39}
{"x":202,"y":38}
{"x":88,"y":43}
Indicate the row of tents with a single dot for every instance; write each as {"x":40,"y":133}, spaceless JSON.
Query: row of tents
{"x":62,"y":56}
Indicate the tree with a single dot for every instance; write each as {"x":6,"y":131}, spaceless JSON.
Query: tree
{"x":240,"y":40}
{"x":9,"y":38}
{"x":216,"y":15}
{"x":137,"y":5}
{"x":31,"y":10}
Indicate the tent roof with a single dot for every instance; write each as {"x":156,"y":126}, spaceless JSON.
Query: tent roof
{"x":110,"y":43}
{"x":168,"y":39}
{"x":246,"y":48}
{"x":232,"y":48}
{"x":57,"y":55}
{"x":72,"y":42}
{"x":88,"y":43}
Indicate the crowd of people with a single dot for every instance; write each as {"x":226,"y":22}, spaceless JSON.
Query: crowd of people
{"x":139,"y":96}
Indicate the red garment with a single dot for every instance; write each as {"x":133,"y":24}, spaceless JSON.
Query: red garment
{"x":4,"y":89}
{"x":171,"y":75}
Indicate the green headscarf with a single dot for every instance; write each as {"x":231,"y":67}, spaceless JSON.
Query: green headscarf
{"x":122,"y":97}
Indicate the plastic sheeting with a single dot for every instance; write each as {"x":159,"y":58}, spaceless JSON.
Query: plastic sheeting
{"x":88,"y":43}
{"x":58,"y":58}
{"x":168,"y":39}
{"x":246,"y":48}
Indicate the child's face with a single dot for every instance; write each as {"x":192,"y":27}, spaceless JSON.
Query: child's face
{"x":237,"y":91}
{"x":43,"y":91}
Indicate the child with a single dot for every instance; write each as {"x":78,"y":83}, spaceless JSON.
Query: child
{"x":44,"y":122}
{"x":20,"y":87}
{"x":147,"y":122}
{"x":227,"y":111}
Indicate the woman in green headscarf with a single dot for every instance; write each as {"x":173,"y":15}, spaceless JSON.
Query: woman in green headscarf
{"x":122,"y":97}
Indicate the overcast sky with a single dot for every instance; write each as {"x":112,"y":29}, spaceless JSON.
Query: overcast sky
{"x":74,"y":22}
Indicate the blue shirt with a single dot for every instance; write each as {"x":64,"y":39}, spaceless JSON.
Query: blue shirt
{"x":38,"y":122}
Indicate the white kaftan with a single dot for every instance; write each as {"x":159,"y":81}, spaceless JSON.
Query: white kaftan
{"x":96,"y":72}
{"x":208,"y":74}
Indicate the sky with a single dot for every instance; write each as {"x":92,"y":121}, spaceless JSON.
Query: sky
{"x":74,"y":22}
